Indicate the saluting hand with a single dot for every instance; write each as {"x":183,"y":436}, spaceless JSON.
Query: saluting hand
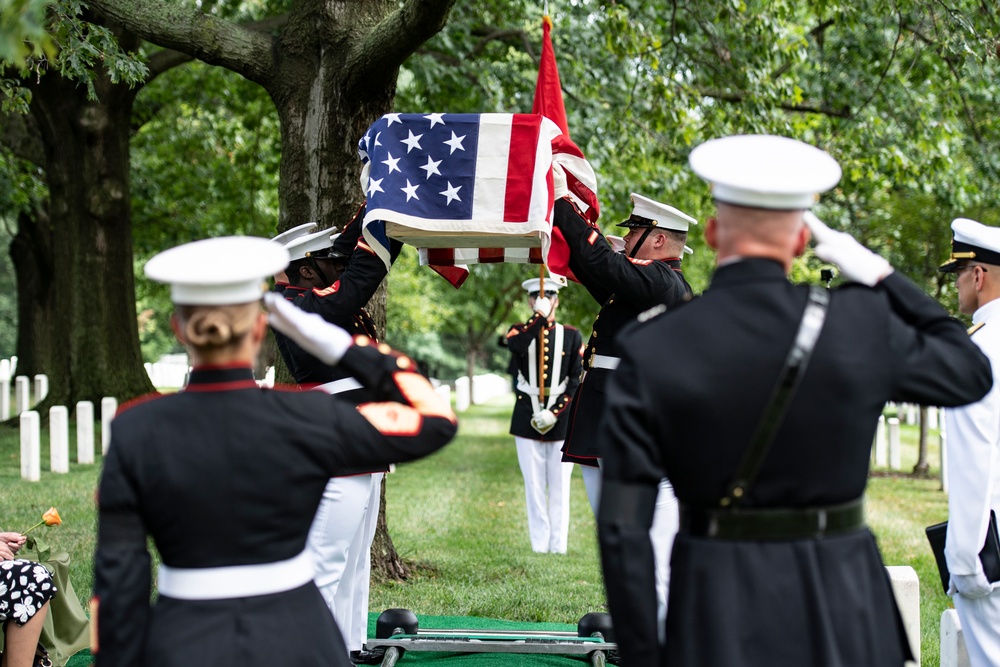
{"x":325,"y":341}
{"x":856,"y":262}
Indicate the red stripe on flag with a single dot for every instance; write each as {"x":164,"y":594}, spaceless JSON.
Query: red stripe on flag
{"x":521,"y":166}
{"x":491,"y":255}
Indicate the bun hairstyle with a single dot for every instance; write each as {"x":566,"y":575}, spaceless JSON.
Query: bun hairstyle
{"x":213,"y":327}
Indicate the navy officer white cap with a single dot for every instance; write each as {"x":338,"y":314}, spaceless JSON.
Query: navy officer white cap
{"x":290,"y":235}
{"x":765,"y":171}
{"x":218,"y":272}
{"x":972,"y":242}
{"x":532,"y":285}
{"x":649,"y":213}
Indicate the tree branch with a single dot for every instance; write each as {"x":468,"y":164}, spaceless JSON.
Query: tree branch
{"x":842,"y":112}
{"x":396,"y":37}
{"x":213,"y":40}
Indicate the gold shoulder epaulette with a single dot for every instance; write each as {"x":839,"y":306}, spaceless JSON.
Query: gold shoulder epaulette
{"x":976,"y":327}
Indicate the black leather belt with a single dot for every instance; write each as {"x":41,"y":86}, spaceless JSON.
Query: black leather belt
{"x":773,"y":524}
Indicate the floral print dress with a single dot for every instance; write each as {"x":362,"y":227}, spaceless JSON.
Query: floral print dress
{"x":25,"y":587}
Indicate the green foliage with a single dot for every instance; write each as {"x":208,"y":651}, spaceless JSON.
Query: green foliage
{"x":901,"y":94}
{"x":204,"y":163}
{"x":22,"y":31}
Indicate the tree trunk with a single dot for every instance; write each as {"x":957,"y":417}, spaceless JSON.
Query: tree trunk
{"x":94,"y":341}
{"x":923,"y":466}
{"x":470,"y":365}
{"x":31,"y":254}
{"x":386,"y":563}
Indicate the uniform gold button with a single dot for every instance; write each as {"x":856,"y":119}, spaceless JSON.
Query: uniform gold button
{"x":384,"y":349}
{"x":403,"y":363}
{"x":362,"y":341}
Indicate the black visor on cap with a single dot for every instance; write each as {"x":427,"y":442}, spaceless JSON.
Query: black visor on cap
{"x":548,"y":293}
{"x":638,"y":221}
{"x":966,"y":252}
{"x":327,"y":253}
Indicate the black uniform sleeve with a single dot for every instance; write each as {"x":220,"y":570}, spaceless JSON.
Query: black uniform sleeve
{"x":338,"y":302}
{"x":940,"y":364}
{"x":632,"y":470}
{"x":519,"y":336}
{"x":408,"y":419}
{"x":122,"y":578}
{"x":604,"y":272}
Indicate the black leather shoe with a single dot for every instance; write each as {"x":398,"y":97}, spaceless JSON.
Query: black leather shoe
{"x":366,"y":657}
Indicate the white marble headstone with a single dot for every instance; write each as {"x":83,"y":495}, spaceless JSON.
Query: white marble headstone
{"x":31,"y":449}
{"x":84,"y":432}
{"x":59,"y":438}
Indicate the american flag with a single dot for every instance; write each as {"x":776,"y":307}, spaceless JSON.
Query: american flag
{"x":471,"y":174}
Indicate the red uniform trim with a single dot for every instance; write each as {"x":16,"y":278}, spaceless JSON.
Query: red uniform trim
{"x":640,"y":262}
{"x":221,"y":386}
{"x":138,"y":400}
{"x":332,"y":289}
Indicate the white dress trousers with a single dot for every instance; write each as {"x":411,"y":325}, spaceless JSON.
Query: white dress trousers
{"x":546,"y":493}
{"x":333,"y":540}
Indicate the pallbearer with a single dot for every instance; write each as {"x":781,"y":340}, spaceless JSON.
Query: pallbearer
{"x":545,"y":359}
{"x":226,"y":477}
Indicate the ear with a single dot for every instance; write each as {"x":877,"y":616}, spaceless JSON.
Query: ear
{"x":712,"y":233}
{"x":802,"y":240}
{"x":306,"y":272}
{"x":260,"y":327}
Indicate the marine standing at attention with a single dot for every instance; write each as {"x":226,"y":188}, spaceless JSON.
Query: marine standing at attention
{"x":545,"y":358}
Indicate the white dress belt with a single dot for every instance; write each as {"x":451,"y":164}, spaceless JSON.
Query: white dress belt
{"x":339,"y":386}
{"x":235,"y":581}
{"x":605,"y":362}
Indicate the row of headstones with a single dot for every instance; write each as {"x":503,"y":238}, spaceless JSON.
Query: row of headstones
{"x":31,"y":437}
{"x":886,"y":451}
{"x":22,"y":393}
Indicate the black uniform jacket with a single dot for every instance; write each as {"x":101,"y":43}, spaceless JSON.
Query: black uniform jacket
{"x":624,"y":287}
{"x":519,"y":338}
{"x":341,"y":303}
{"x":224,"y":473}
{"x":688,"y":413}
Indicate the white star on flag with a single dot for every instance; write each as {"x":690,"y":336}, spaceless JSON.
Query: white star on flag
{"x":435,"y":118}
{"x":392,"y":162}
{"x":431,"y":167}
{"x":451,"y":193}
{"x":377,"y":142}
{"x":393,"y":118}
{"x":375,"y":185}
{"x":412,"y":141}
{"x":454,"y":142}
{"x":410,"y":190}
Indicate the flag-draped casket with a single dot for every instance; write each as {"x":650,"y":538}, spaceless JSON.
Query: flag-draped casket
{"x":466,"y":188}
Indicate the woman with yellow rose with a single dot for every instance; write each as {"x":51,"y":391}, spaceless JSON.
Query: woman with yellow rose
{"x":226,"y":476}
{"x":25,"y":590}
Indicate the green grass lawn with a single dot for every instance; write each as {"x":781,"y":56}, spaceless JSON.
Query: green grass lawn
{"x":459,"y":516}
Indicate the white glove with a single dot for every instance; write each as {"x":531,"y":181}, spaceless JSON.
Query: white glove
{"x":617,"y":243}
{"x":543,"y":421}
{"x":543,"y":306}
{"x":972,"y":585}
{"x":327,"y":342}
{"x":856,"y":262}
